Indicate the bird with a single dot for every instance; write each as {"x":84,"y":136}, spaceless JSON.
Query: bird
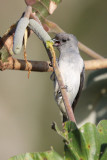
{"x":71,"y":67}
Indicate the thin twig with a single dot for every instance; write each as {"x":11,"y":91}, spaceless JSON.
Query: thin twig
{"x":27,"y":15}
{"x":64,"y":94}
{"x":68,"y":107}
{"x":89,"y":51}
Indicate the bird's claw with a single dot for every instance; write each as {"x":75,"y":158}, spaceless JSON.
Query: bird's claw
{"x":64,"y":87}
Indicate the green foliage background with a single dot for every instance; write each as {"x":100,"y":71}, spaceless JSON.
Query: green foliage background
{"x":27,"y":107}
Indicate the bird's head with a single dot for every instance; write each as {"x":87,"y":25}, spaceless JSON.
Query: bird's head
{"x":63,"y":39}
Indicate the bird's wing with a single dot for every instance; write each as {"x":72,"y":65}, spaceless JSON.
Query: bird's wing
{"x":80,"y":89}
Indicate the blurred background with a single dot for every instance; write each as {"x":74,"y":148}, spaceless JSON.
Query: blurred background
{"x":27,"y":106}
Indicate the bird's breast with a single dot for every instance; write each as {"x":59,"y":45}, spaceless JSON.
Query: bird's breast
{"x":71,"y":78}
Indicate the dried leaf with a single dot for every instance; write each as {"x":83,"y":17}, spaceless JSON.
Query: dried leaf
{"x":52,"y":7}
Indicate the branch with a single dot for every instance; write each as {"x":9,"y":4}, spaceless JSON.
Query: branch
{"x":18,"y":64}
{"x":89,"y":51}
{"x":43,"y":66}
{"x":95,"y":64}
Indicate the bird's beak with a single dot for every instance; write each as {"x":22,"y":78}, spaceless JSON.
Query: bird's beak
{"x":56,"y":42}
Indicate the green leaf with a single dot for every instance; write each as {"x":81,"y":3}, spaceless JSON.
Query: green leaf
{"x":75,"y":149}
{"x":50,"y":155}
{"x":92,"y":144}
{"x":102,"y":129}
{"x":87,"y":143}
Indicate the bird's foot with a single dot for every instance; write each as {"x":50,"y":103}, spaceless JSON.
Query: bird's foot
{"x":64,"y":87}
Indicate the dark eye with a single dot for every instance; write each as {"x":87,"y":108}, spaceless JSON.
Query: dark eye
{"x":64,"y":40}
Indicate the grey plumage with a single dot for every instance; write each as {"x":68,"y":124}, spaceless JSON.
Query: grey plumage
{"x":71,"y":66}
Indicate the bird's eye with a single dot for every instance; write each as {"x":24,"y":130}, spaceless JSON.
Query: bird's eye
{"x":64,"y":40}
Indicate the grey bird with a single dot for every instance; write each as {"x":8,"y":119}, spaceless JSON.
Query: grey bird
{"x":71,"y":66}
